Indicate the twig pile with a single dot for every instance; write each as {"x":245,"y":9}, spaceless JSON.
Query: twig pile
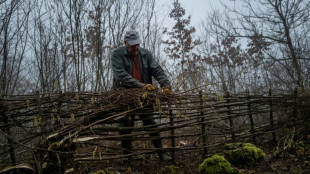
{"x":84,"y":125}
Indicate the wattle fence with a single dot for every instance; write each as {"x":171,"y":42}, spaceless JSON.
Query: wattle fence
{"x":66,"y":128}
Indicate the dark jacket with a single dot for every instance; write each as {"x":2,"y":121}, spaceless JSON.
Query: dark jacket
{"x":122,"y":65}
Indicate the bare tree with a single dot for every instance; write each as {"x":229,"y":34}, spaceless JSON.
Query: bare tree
{"x":283,"y":23}
{"x":74,"y":11}
{"x":13,"y":39}
{"x":95,"y":37}
{"x":181,"y":43}
{"x":233,"y":64}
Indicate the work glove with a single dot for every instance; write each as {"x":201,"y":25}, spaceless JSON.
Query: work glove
{"x":150,"y":87}
{"x":166,"y":90}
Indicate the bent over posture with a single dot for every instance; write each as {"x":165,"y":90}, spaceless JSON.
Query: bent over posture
{"x":134,"y":67}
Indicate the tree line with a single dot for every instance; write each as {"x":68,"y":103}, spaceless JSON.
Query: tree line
{"x":52,"y":46}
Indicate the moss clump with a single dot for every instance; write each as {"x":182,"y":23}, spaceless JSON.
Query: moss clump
{"x":99,"y":172}
{"x":276,"y":154}
{"x":244,"y":153}
{"x":172,"y":169}
{"x":297,"y":148}
{"x":216,"y":165}
{"x":238,"y":145}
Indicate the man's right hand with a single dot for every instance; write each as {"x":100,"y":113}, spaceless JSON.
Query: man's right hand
{"x":150,"y":87}
{"x":167,"y":90}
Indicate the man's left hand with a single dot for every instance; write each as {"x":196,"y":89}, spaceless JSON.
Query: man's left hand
{"x":167,"y":90}
{"x":150,"y":87}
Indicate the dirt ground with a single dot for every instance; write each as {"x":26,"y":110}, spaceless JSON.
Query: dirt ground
{"x":284,"y":162}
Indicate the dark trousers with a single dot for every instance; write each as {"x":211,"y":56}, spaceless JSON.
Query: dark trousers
{"x":129,"y":122}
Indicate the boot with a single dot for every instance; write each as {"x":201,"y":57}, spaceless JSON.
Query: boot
{"x":126,"y":146}
{"x":158,"y":144}
{"x":163,"y":157}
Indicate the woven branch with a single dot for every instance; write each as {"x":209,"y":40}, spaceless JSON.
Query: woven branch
{"x":50,"y":122}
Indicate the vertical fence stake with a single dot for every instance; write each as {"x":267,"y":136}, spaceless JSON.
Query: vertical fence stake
{"x":7,"y":131}
{"x":172,"y":136}
{"x":250,"y":115}
{"x":295,"y":114}
{"x":271,"y":118}
{"x":301,"y":86}
{"x":203,"y":126}
{"x":58,"y":108}
{"x":231,"y":122}
{"x":40,"y":119}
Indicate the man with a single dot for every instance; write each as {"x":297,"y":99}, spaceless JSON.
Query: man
{"x":134,"y":67}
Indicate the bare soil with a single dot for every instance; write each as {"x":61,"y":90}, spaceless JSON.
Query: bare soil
{"x":188,"y":162}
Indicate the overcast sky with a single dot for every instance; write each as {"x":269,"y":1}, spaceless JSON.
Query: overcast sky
{"x":198,"y":9}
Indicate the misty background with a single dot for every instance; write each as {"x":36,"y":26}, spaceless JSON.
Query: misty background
{"x":223,"y":46}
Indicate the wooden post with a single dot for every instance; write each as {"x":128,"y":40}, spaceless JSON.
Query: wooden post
{"x":7,"y":131}
{"x":58,"y":108}
{"x":301,"y":85}
{"x":271,"y":117}
{"x":172,"y":135}
{"x":40,"y":119}
{"x":250,"y":116}
{"x":295,"y":114}
{"x":231,"y":122}
{"x":203,"y":126}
